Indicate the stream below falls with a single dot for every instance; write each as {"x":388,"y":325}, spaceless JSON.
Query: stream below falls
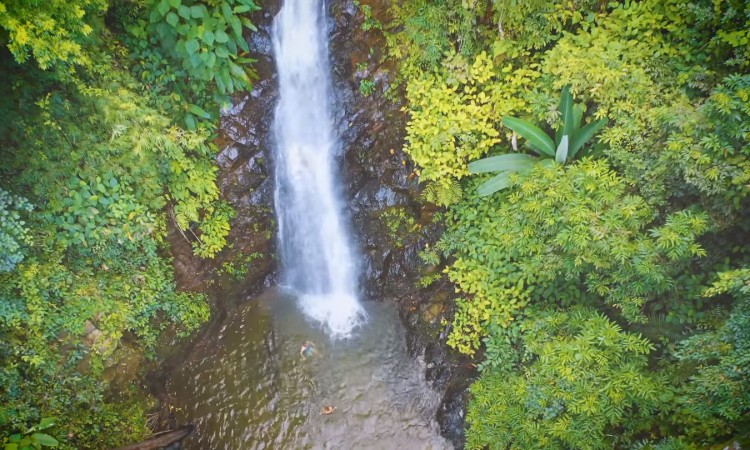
{"x":248,"y":387}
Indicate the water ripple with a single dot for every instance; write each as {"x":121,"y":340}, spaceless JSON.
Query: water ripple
{"x":249,"y":388}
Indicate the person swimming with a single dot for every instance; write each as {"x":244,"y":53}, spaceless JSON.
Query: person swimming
{"x":308,"y":349}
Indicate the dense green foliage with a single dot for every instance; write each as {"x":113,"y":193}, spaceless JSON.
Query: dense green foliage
{"x":192,"y":52}
{"x":93,"y":173}
{"x":581,"y":376}
{"x":597,"y":245}
{"x":33,"y":438}
{"x":606,"y":298}
{"x":13,"y":234}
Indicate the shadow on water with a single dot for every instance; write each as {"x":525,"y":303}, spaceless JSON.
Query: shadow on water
{"x":249,"y":387}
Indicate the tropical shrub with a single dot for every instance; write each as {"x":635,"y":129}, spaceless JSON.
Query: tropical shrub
{"x":33,"y":438}
{"x":446,"y":128}
{"x":711,"y":409}
{"x":454,"y":115}
{"x":192,"y":55}
{"x":573,"y":226}
{"x":583,"y":380}
{"x":52,"y":33}
{"x":569,"y":140}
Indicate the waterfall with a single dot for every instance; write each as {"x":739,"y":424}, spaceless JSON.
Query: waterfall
{"x":318,"y":262}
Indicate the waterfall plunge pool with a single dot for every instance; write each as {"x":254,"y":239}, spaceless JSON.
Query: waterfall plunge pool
{"x":248,"y":387}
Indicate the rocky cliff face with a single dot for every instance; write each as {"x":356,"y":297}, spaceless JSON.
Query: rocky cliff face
{"x":389,"y":221}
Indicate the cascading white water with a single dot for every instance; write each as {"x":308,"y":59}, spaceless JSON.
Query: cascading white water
{"x":318,"y":261}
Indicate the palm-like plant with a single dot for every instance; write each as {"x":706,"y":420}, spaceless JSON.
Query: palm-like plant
{"x":568,"y":141}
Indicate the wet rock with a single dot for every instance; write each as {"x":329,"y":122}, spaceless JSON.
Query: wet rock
{"x":93,"y":337}
{"x":88,"y":328}
{"x":433,"y":312}
{"x":124,"y":366}
{"x":376,"y":196}
{"x":227,"y":157}
{"x":452,"y":411}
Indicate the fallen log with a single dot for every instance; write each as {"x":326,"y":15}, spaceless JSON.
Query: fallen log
{"x":162,"y":439}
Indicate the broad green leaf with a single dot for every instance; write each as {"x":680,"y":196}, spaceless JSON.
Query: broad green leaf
{"x":512,"y":162}
{"x":172,"y":19}
{"x":566,"y":109}
{"x":243,"y":45}
{"x":236,"y":25}
{"x":246,"y":60}
{"x":184,"y":12}
{"x":196,"y":60}
{"x":538,"y":138}
{"x":193,"y":33}
{"x":198,"y":111}
{"x":175,"y":3}
{"x":221,"y":37}
{"x":11,"y":446}
{"x":198,"y":11}
{"x":494,"y":184}
{"x":232,"y":46}
{"x":180,"y":49}
{"x":15,"y":438}
{"x":248,"y":24}
{"x":190,"y":121}
{"x":192,"y":46}
{"x":221,"y":52}
{"x":220,"y":84}
{"x":577,"y":117}
{"x":583,"y":135}
{"x":208,"y":37}
{"x":227,"y":79}
{"x":237,"y":71}
{"x":226,"y":10}
{"x":241,"y":9}
{"x":45,"y":439}
{"x":163,"y":7}
{"x":562,"y":150}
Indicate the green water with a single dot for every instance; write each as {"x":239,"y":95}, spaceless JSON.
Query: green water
{"x":247,"y":387}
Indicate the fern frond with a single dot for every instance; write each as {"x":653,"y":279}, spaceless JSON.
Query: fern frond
{"x":443,"y":194}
